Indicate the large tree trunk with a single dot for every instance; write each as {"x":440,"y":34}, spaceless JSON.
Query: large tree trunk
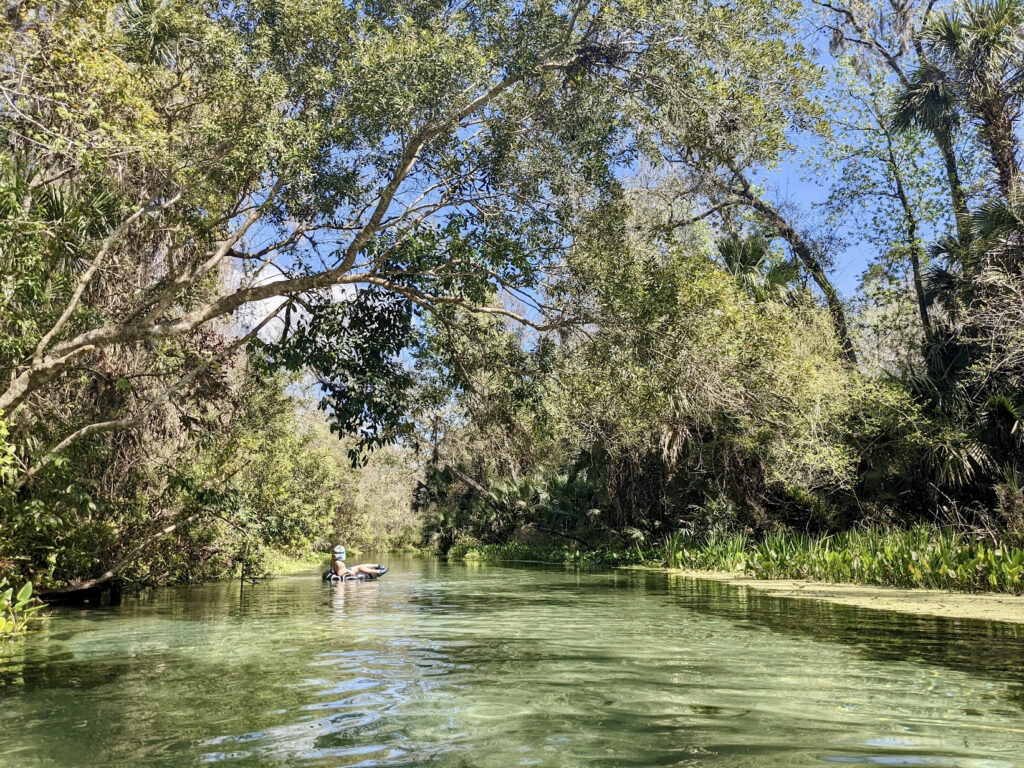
{"x":914,"y":245}
{"x":944,"y":141}
{"x":997,"y":130}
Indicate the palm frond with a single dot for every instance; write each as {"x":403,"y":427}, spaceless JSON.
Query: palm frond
{"x":929,"y":101}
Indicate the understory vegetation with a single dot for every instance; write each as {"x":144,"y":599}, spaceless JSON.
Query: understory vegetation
{"x":258,"y":478}
{"x":504,"y":274}
{"x":16,"y":610}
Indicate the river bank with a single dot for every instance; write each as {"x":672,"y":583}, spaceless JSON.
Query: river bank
{"x":987,"y":606}
{"x":923,"y":570}
{"x":922,"y":557}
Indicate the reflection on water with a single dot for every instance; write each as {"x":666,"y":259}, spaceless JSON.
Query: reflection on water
{"x":498,"y":666}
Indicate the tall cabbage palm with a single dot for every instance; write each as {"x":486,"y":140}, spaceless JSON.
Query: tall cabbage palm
{"x":976,"y":58}
{"x":928,"y":102}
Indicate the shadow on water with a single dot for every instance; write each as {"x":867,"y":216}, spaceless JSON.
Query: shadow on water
{"x":985,"y":648}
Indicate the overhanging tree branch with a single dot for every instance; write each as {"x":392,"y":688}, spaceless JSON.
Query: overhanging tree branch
{"x":144,"y":323}
{"x":131,"y":421}
{"x":86,"y":277}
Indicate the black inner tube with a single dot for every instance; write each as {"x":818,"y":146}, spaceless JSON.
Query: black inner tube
{"x":330,"y":575}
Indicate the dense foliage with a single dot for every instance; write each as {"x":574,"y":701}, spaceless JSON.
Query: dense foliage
{"x":530,"y":253}
{"x":714,"y":386}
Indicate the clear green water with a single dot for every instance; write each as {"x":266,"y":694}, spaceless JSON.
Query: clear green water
{"x":453,"y":665}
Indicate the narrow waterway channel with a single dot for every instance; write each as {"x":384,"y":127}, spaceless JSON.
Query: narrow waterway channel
{"x":456,"y":665}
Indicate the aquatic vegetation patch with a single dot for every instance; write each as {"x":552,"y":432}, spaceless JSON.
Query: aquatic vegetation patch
{"x":922,"y":556}
{"x":16,"y":610}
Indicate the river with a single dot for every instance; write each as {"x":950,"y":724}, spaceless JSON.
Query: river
{"x":472,"y":665}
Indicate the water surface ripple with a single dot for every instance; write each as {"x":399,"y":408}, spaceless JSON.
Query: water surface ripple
{"x":455,"y":665}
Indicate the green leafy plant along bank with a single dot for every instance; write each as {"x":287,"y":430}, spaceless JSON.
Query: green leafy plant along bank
{"x":17,"y":611}
{"x":922,"y":557}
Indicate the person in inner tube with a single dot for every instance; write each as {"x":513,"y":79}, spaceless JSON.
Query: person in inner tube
{"x":341,"y":570}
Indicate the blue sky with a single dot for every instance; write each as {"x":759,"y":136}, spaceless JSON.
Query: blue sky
{"x":790,"y":185}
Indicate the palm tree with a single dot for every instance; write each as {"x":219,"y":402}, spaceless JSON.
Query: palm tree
{"x":150,"y":32}
{"x":996,"y":239}
{"x":928,"y":102}
{"x":999,"y":225}
{"x":977,"y":61}
{"x":971,"y":67}
{"x":756,"y":269}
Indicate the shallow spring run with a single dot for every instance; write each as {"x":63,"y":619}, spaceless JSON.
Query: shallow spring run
{"x":462,"y":665}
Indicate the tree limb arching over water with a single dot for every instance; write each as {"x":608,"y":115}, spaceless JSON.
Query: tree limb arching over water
{"x":551,"y":240}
